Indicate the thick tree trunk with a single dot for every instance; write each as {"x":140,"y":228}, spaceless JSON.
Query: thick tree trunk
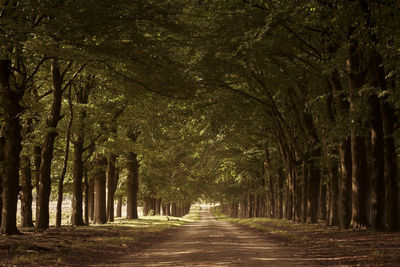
{"x":359,"y":182}
{"x":11,"y":111}
{"x":110,"y":186}
{"x":359,"y":177}
{"x":100,"y":191}
{"x":26,"y":193}
{"x":48,"y":144}
{"x":132,"y":186}
{"x":391,"y":170}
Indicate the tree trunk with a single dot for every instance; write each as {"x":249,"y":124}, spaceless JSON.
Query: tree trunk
{"x":37,"y":152}
{"x":323,"y":204}
{"x":11,"y":111}
{"x":132,"y":186}
{"x":48,"y":144}
{"x":86,"y":186}
{"x":64,"y":170}
{"x":333,"y":216}
{"x":271,"y":184}
{"x":158,"y":206}
{"x":119,"y":206}
{"x":359,"y":182}
{"x":345,"y":186}
{"x":110,"y":186}
{"x":304,"y":190}
{"x":392,"y":192}
{"x":280,"y":179}
{"x":82,"y":96}
{"x":100,"y":191}
{"x":2,"y":143}
{"x":91,"y":199}
{"x":26,"y":193}
{"x":313,"y":187}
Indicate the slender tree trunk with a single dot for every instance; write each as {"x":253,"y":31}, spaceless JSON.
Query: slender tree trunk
{"x":110,"y":186}
{"x":132,"y":186}
{"x":323,"y":203}
{"x":91,"y":199}
{"x":26,"y":193}
{"x":2,"y":144}
{"x":82,"y":96}
{"x":271,"y":183}
{"x":37,"y":152}
{"x":119,"y":206}
{"x":333,"y":217}
{"x":48,"y":144}
{"x":280,"y":179}
{"x":77,"y":200}
{"x":86,"y":186}
{"x":11,"y":111}
{"x":304,"y":189}
{"x":314,"y":175}
{"x":100,"y":191}
{"x":345,"y":186}
{"x":64,"y":170}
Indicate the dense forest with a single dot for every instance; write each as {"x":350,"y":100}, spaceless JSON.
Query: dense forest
{"x":283,"y":109}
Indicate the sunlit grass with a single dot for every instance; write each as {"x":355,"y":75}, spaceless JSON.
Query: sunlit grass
{"x":63,"y":245}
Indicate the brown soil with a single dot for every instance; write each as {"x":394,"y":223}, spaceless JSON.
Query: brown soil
{"x":204,"y":243}
{"x":334,"y":246}
{"x":216,"y":243}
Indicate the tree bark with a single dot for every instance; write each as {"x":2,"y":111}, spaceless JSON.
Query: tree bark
{"x":280,"y":179}
{"x":86,"y":185}
{"x":100,"y":190}
{"x":304,"y":190}
{"x":82,"y":96}
{"x":91,"y":199}
{"x":2,"y":144}
{"x":132,"y":186}
{"x":271,"y":183}
{"x":26,"y":193}
{"x":110,"y":186}
{"x":37,"y":152}
{"x":11,"y":111}
{"x":119,"y":206}
{"x":48,"y":144}
{"x":64,"y":170}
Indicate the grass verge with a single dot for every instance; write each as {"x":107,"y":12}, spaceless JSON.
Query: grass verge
{"x":329,"y":245}
{"x":95,"y":244}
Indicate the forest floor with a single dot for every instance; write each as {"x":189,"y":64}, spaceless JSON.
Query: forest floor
{"x":328,"y":245}
{"x":85,"y":245}
{"x":155,"y":241}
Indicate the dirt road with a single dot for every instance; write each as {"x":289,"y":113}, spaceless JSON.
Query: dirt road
{"x":214,"y":243}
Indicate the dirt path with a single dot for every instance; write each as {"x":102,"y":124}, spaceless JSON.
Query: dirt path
{"x":214,"y":243}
